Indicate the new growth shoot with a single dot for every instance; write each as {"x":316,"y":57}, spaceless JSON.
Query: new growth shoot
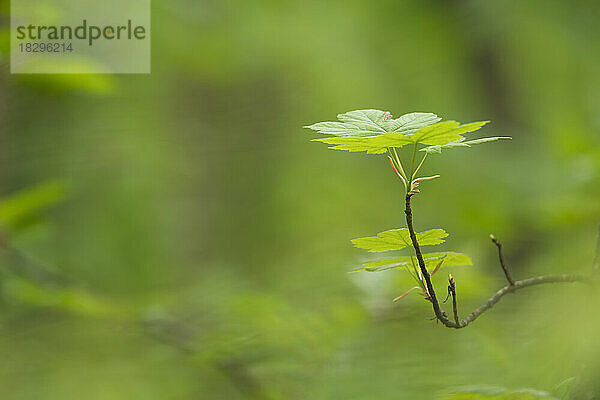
{"x":377,"y":132}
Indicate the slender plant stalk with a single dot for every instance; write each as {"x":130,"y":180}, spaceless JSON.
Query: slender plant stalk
{"x":501,"y":258}
{"x":412,"y":164}
{"x":399,"y":163}
{"x":420,"y":165}
{"x":440,"y":315}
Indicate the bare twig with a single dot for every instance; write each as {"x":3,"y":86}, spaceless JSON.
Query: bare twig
{"x":513,"y":286}
{"x":167,"y":330}
{"x":501,"y":258}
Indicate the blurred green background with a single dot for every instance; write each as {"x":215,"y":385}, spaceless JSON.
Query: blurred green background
{"x":177,"y":235}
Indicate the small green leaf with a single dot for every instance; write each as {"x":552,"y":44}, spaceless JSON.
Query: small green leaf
{"x":20,"y":207}
{"x":376,"y":266}
{"x":372,"y":145}
{"x":431,"y":260}
{"x":437,"y":149}
{"x":397,"y":239}
{"x":431,"y":237}
{"x":496,"y":393}
{"x":67,"y":298}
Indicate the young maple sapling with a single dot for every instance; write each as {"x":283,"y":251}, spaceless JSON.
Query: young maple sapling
{"x":377,"y":132}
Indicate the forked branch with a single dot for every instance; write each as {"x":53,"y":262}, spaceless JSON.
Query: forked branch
{"x":512,"y":286}
{"x":538,"y":280}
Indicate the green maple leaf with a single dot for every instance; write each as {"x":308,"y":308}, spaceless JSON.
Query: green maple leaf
{"x":370,"y":123}
{"x":398,"y":239}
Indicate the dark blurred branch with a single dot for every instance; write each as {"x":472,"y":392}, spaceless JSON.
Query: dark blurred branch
{"x":501,"y":258}
{"x":30,"y":269}
{"x":165,"y":329}
{"x":171,"y":332}
{"x":512,"y":287}
{"x":239,"y":375}
{"x":596,"y":266}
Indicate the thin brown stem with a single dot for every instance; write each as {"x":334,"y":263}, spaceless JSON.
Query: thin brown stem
{"x":439,"y":314}
{"x":501,"y":258}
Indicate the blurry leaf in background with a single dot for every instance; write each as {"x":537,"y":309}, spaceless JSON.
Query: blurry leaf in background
{"x":564,"y":390}
{"x":62,"y":298}
{"x":496,"y":393}
{"x":25,"y":207}
{"x":94,"y":84}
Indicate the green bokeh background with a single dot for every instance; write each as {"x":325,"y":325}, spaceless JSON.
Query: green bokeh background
{"x":177,"y":236}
